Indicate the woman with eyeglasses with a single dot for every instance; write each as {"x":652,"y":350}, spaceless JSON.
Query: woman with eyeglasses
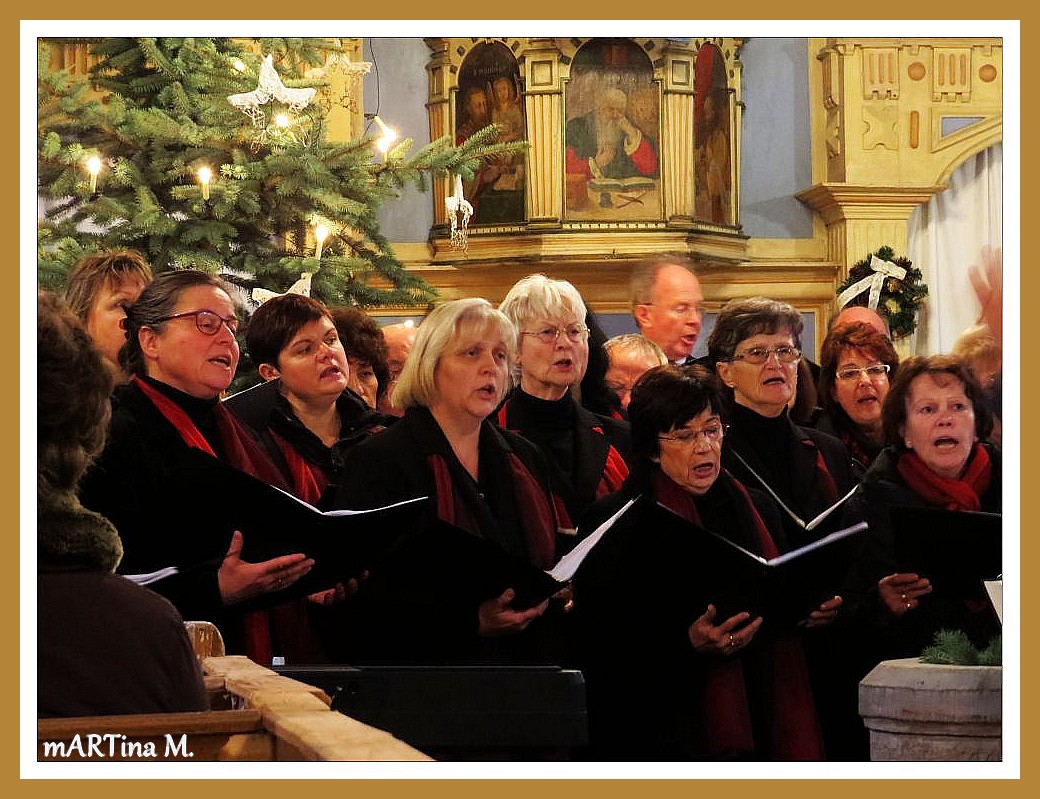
{"x":588,"y":450}
{"x":182,"y":353}
{"x":669,"y":678}
{"x":755,"y":347}
{"x":856,"y":366}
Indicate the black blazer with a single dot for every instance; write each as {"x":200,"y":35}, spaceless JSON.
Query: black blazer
{"x":407,"y":611}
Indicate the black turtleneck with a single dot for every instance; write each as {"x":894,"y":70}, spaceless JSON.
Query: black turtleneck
{"x":199,"y":410}
{"x":771,"y":439}
{"x":549,"y":424}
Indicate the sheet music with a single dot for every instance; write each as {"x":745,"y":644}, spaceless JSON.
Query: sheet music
{"x":995,"y":592}
{"x":569,"y":563}
{"x":152,"y":577}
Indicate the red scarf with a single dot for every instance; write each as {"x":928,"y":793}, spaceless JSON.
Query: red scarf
{"x":962,"y":494}
{"x":541,"y":514}
{"x":309,"y":481}
{"x":615,"y":470}
{"x":242,"y":453}
{"x":794,"y":731}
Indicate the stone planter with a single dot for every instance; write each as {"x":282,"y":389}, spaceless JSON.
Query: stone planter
{"x":923,"y":711}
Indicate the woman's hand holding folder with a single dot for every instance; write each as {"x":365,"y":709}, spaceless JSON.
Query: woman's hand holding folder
{"x":730,"y":636}
{"x":497,"y":618}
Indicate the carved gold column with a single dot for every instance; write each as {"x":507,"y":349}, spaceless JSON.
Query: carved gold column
{"x":892,"y":118}
{"x":678,"y":138}
{"x":544,"y":106}
{"x":440,"y":114}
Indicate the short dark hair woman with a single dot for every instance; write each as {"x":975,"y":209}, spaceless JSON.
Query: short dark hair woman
{"x":104,"y":645}
{"x":708,"y":687}
{"x":303,"y":412}
{"x":857,"y":365}
{"x":755,"y":347}
{"x":182,"y":354}
{"x":936,"y":422}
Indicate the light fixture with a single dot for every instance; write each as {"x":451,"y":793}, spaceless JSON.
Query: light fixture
{"x":321,"y":232}
{"x":93,"y":167}
{"x":388,"y":137}
{"x":205,"y":176}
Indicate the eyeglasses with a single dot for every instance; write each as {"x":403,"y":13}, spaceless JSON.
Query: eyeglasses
{"x":873,"y":372}
{"x":548,"y":335}
{"x":682,"y":310}
{"x":712,"y":434}
{"x":759,"y":355}
{"x":206,"y":321}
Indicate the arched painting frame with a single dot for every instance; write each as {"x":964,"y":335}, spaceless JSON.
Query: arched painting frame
{"x":489,"y":90}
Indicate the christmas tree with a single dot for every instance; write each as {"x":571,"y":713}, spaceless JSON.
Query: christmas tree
{"x":199,"y":154}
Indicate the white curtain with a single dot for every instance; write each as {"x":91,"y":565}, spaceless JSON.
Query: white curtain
{"x":946,"y":237}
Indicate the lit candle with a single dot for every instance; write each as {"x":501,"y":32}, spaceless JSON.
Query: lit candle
{"x":282,"y":120}
{"x":239,"y":65}
{"x":388,"y":137}
{"x":458,"y":187}
{"x":93,"y":167}
{"x":321,"y":232}
{"x":205,"y":176}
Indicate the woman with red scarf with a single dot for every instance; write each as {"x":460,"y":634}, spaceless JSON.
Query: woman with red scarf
{"x":487,"y":481}
{"x":935,"y":422}
{"x":667,"y":678}
{"x":182,"y":353}
{"x":303,"y":413}
{"x":587,"y":450}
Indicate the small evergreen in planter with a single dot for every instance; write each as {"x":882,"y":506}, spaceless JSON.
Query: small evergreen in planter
{"x":954,"y":648}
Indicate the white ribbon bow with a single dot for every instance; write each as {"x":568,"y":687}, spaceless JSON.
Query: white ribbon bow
{"x":301,"y":287}
{"x":875,"y":282}
{"x":458,"y":206}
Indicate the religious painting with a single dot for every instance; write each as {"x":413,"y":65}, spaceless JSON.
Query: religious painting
{"x":489,"y":92}
{"x":612,"y":134}
{"x":712,"y":199}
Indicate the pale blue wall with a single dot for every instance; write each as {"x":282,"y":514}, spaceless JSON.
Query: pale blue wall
{"x":776,"y":153}
{"x":395,"y":88}
{"x":776,"y":137}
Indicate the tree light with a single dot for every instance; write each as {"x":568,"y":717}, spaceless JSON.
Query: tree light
{"x":239,"y":65}
{"x":321,"y":232}
{"x":93,"y":167}
{"x":205,"y":176}
{"x":388,"y":137}
{"x":282,"y":120}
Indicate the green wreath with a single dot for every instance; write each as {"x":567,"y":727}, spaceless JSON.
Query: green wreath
{"x":900,"y":299}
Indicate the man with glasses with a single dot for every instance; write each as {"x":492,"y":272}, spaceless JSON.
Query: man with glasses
{"x":667,"y":300}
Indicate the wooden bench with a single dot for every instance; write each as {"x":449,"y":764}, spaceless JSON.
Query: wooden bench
{"x":256,"y":715}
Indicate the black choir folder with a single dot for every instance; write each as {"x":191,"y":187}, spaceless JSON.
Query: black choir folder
{"x":343,"y":543}
{"x":783,"y":590}
{"x":953,"y":549}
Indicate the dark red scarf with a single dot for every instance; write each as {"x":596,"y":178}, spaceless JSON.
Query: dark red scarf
{"x":615,"y":470}
{"x":541,"y":514}
{"x":794,"y":730}
{"x":309,"y":481}
{"x":243,"y":453}
{"x":962,"y":494}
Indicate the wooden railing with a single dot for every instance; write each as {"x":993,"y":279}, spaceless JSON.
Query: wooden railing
{"x":256,"y":715}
